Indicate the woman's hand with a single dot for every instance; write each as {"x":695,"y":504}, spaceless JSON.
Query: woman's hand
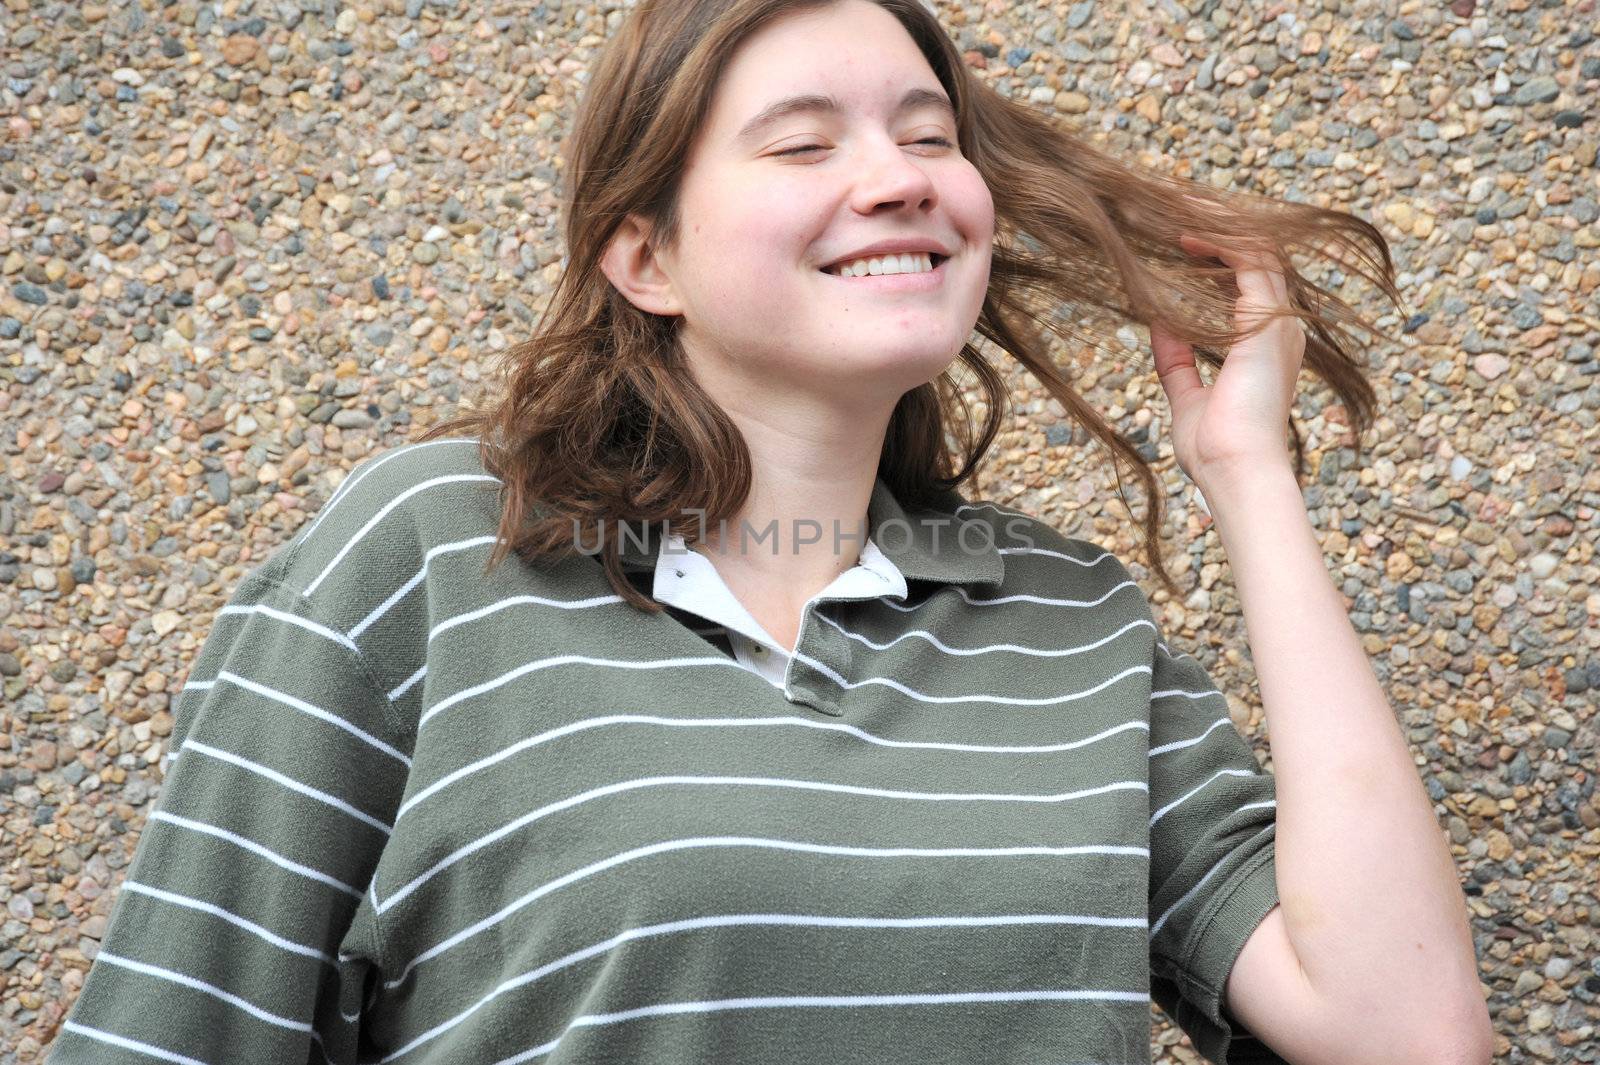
{"x":1236,"y":427}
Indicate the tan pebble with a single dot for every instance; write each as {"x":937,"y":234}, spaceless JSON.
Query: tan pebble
{"x":1400,"y":215}
{"x":1539,"y":335}
{"x":1167,"y":55}
{"x":200,"y":142}
{"x":1072,"y":103}
{"x":239,"y":49}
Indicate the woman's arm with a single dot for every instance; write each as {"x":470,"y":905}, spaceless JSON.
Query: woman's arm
{"x":1369,"y":890}
{"x":1369,"y":895}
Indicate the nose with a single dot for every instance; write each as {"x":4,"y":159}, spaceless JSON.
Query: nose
{"x":890,"y":176}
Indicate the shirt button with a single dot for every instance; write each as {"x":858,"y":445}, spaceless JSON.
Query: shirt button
{"x":757,"y":649}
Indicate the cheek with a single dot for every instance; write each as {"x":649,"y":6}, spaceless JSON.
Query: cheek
{"x":753,"y":226}
{"x":756,"y":251}
{"x":973,"y":205}
{"x":746,"y":256}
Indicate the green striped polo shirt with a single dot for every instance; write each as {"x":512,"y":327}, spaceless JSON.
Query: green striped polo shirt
{"x":419,"y":813}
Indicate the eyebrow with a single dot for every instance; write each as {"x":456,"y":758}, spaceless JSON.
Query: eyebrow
{"x":821,"y":102}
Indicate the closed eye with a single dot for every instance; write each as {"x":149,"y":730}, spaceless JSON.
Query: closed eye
{"x":942,"y":141}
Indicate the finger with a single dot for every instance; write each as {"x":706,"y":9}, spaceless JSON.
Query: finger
{"x":1260,"y":258}
{"x":1244,"y":261}
{"x":1260,"y":266}
{"x":1175,"y":366}
{"x":1262,"y":288}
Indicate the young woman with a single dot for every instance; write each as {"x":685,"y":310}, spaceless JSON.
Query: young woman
{"x":769,"y":745}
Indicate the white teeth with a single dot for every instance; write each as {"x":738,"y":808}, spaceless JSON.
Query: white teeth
{"x":920,"y":262}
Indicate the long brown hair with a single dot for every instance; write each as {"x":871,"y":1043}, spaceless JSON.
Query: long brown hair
{"x":599,"y":422}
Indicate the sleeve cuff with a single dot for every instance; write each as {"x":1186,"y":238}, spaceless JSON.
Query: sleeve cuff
{"x":1234,"y":913}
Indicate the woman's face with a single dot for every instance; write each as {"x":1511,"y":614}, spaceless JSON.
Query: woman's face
{"x":766,"y":206}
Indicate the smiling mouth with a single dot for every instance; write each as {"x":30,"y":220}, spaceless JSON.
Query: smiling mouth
{"x":933,"y":257}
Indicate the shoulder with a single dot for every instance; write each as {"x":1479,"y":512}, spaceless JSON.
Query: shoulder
{"x":390,"y":474}
{"x":1019,"y":534}
{"x":1043,"y":561}
{"x":390,"y":510}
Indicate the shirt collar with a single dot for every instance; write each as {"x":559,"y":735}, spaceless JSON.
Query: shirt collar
{"x":688,"y":580}
{"x":937,"y":543}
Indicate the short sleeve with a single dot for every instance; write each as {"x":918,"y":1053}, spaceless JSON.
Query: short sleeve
{"x":243,"y":927}
{"x":1212,"y":872}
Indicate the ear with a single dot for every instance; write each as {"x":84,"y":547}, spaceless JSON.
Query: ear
{"x":633,"y":268}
